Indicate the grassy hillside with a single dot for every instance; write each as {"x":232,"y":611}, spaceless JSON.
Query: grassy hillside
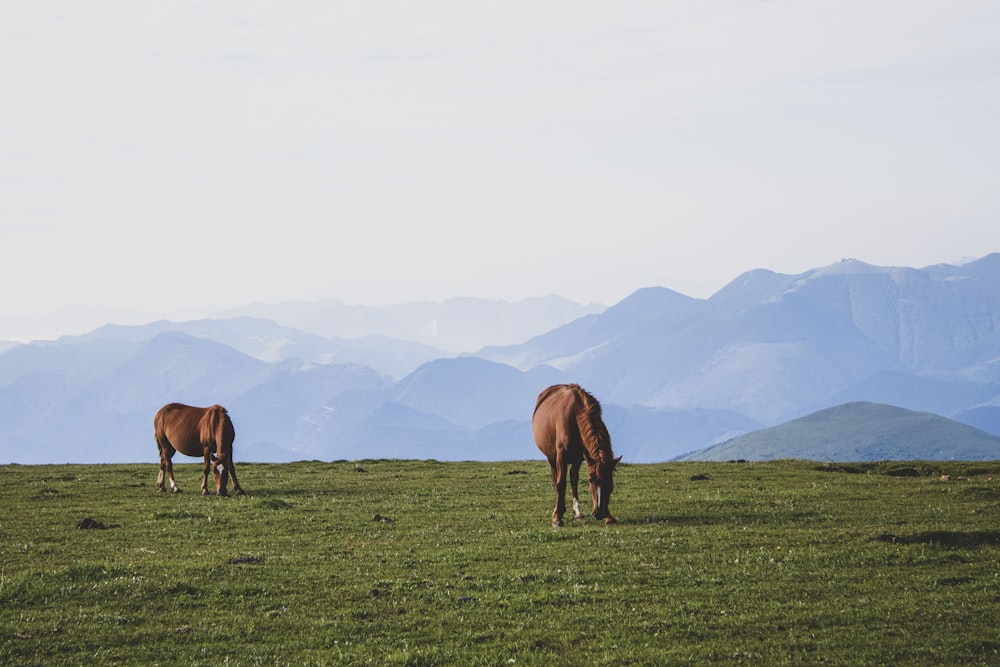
{"x":860,"y":432}
{"x":424,"y":563}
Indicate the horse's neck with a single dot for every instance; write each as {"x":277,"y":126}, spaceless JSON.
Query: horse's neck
{"x":594,"y":449}
{"x":591,"y":431}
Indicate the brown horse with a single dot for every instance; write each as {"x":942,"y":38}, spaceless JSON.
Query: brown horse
{"x":205,"y":432}
{"x":568,"y":429}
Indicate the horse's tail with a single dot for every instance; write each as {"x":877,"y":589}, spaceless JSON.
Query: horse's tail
{"x":158,"y":429}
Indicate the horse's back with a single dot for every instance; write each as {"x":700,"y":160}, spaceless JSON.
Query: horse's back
{"x":554,"y":421}
{"x":180,"y":426}
{"x":560,"y":400}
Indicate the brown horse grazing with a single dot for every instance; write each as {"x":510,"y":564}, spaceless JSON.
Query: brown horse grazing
{"x":205,"y":432}
{"x":568,"y":429}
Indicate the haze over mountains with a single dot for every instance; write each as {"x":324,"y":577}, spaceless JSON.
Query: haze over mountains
{"x":458,"y":380}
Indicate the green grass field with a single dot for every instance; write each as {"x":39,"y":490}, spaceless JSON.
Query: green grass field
{"x":426,"y":563}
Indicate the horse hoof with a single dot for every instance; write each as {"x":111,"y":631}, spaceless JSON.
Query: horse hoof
{"x":609,"y":520}
{"x":557,"y":523}
{"x":175,"y":490}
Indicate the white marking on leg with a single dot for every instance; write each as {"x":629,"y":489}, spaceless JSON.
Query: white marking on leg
{"x":576,"y":508}
{"x":219,"y":468}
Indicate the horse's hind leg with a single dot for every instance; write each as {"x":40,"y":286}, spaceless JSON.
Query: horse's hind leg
{"x":559,"y":481}
{"x":205,"y":470}
{"x":160,"y":486}
{"x":166,"y":466}
{"x":574,"y":479}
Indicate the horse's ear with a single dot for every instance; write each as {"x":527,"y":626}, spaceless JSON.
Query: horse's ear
{"x":617,"y":460}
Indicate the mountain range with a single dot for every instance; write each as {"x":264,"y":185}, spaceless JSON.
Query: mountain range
{"x":458,"y":380}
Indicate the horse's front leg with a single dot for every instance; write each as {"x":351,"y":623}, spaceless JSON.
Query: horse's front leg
{"x":574,"y":479}
{"x":559,"y":481}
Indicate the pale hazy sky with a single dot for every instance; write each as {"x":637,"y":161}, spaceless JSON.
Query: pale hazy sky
{"x":180,"y":154}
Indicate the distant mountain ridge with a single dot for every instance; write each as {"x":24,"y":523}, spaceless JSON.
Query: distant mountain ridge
{"x":455,"y":325}
{"x":675,"y":374}
{"x":775,"y":347}
{"x":269,"y":341}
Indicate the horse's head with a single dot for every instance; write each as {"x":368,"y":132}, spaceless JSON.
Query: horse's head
{"x":601,"y":477}
{"x":221,"y":470}
{"x":221,"y":479}
{"x":223,"y":432}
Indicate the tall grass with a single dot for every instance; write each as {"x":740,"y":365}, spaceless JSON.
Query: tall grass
{"x":426,"y":563}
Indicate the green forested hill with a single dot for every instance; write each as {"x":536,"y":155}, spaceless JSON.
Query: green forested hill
{"x":860,"y":432}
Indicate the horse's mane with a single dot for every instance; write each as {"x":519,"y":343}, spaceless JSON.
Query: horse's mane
{"x":595,"y":435}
